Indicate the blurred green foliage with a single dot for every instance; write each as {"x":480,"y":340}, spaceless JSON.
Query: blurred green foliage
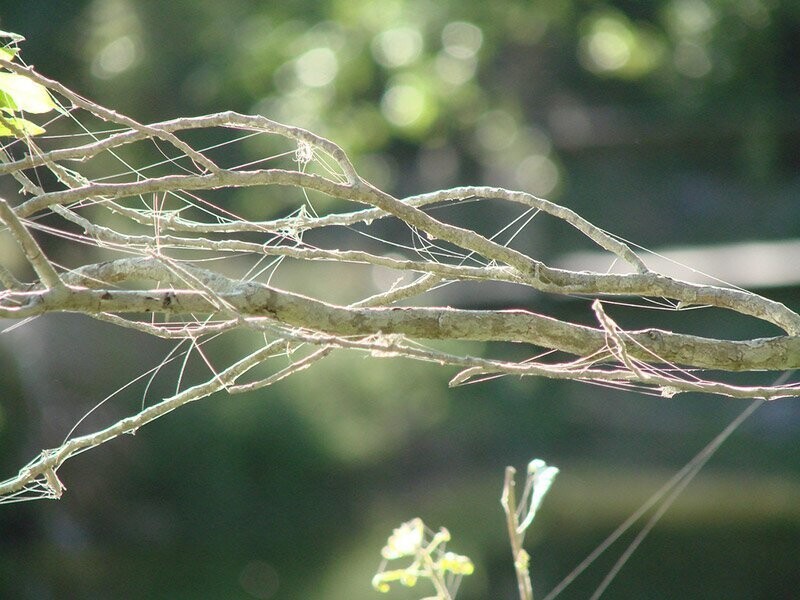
{"x":666,"y":122}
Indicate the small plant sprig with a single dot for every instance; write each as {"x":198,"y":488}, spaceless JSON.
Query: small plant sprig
{"x":537,"y":483}
{"x":445,"y":569}
{"x":429,"y":561}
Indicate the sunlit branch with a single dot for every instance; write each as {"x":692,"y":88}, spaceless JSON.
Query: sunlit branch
{"x":139,"y":263}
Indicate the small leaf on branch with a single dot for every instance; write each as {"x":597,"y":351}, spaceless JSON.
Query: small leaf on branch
{"x":20,"y":94}
{"x":8,"y":53}
{"x":13,"y":126}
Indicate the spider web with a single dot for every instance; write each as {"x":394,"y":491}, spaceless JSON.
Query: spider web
{"x":208,"y":238}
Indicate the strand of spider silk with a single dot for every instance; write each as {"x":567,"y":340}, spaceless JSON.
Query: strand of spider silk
{"x":687,"y":472}
{"x":669,"y":499}
{"x":681,"y":479}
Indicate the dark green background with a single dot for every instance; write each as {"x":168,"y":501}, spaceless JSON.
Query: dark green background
{"x":291,"y":491}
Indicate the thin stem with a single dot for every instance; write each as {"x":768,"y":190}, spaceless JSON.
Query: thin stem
{"x":509,"y":503}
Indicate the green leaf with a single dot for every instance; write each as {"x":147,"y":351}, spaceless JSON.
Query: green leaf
{"x":27,"y":95}
{"x":7,"y":103}
{"x":12,"y":126}
{"x":8,"y":53}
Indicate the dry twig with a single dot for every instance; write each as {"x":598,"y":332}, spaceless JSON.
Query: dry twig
{"x":148,"y":242}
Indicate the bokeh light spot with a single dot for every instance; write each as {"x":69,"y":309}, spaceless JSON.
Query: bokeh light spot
{"x":612,"y":45}
{"x":115,"y":58}
{"x":538,"y":175}
{"x":692,"y":60}
{"x":607,"y":47}
{"x":461,"y":39}
{"x":496,"y":130}
{"x":397,"y":47}
{"x":690,"y":17}
{"x":454,"y":71}
{"x":403,"y":104}
{"x":317,"y":67}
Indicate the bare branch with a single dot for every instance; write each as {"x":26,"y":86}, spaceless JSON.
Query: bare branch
{"x":153,"y":245}
{"x":30,"y":248}
{"x":109,"y":115}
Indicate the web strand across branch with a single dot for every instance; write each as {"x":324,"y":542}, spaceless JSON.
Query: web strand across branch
{"x":169,"y":248}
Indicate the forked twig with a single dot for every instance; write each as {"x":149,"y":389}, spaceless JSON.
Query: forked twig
{"x":173,"y":269}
